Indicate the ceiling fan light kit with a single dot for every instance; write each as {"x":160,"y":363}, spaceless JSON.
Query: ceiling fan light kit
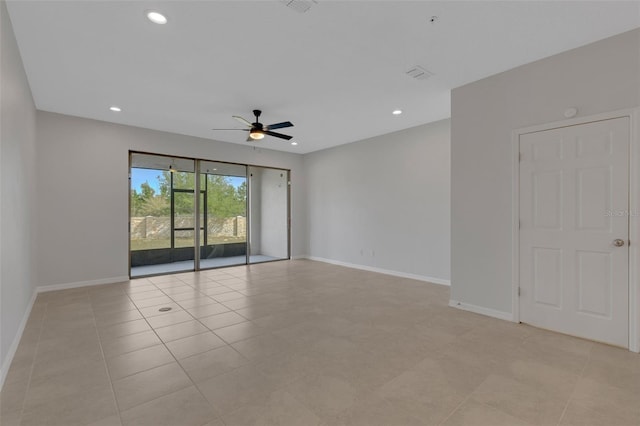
{"x":255,"y":135}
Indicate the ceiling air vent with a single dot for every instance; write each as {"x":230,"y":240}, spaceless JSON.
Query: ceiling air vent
{"x":419,"y":73}
{"x":300,"y":6}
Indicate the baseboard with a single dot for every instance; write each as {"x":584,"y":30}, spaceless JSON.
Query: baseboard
{"x":16,"y":341}
{"x":300,"y":256}
{"x":432,"y":280}
{"x":66,"y":286}
{"x":507,"y":316}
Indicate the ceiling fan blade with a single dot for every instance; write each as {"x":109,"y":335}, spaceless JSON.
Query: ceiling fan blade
{"x":250,"y":139}
{"x":242,"y":120}
{"x":242,"y":130}
{"x":277,"y":135}
{"x":280,"y":125}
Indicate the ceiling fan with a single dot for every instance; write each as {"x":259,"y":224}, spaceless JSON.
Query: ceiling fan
{"x":258,"y":130}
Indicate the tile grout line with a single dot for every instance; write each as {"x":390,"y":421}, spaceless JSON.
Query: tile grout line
{"x":148,"y":369}
{"x":584,"y":367}
{"x":104,"y":358}
{"x":50,"y":308}
{"x":193,"y":383}
{"x":229,"y":345}
{"x":33,"y":361}
{"x":474,"y":390}
{"x":460,"y":405}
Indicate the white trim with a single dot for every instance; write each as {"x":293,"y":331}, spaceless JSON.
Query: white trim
{"x":16,"y":341}
{"x":515,"y":225}
{"x":634,"y":233}
{"x":507,"y":316}
{"x":55,"y":287}
{"x":629,"y":112}
{"x":634,"y":205}
{"x":432,"y":280}
{"x":300,"y":256}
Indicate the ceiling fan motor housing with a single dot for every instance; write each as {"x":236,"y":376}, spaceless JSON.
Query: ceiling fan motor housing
{"x":257,"y":126}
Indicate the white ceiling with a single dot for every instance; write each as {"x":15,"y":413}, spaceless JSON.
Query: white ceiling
{"x":336,"y":71}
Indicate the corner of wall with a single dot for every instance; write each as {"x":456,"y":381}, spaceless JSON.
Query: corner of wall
{"x":6,"y":362}
{"x":17,"y":198}
{"x":431,"y":280}
{"x":507,"y":316}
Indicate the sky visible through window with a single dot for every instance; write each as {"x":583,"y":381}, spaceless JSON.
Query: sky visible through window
{"x":140,"y":176}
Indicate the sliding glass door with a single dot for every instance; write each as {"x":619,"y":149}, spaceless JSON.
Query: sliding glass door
{"x":243,"y":214}
{"x":223,"y":209}
{"x":162,"y":208}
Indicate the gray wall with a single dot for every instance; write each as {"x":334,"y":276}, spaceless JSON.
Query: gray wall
{"x":384,"y":202}
{"x":17,"y":191}
{"x":82,"y":177}
{"x":599,"y":77}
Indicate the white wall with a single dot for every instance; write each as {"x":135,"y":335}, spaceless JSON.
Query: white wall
{"x":83,"y":191}
{"x":599,"y":77}
{"x":17,"y":194}
{"x":268,"y":207}
{"x":273,"y":213}
{"x":255,"y":215}
{"x":384,"y":202}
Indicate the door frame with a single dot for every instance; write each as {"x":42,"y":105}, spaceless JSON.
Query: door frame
{"x":634,"y":206}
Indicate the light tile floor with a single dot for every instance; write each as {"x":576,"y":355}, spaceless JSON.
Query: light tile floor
{"x":301,"y":343}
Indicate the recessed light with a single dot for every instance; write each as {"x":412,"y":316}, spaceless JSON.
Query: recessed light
{"x":397,"y":112}
{"x":115,"y":109}
{"x":294,"y":143}
{"x":156,"y":17}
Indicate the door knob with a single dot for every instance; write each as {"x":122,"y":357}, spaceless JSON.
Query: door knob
{"x":618,"y":242}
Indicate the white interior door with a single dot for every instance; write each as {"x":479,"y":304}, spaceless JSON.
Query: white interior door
{"x":574,"y":230}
